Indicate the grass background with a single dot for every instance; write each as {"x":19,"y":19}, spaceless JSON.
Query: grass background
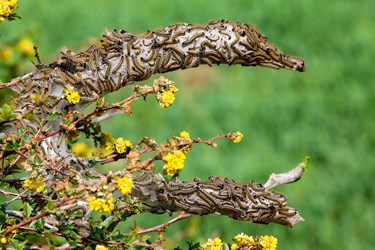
{"x":326,"y":112}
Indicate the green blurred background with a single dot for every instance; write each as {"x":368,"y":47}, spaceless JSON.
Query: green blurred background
{"x":326,"y":112}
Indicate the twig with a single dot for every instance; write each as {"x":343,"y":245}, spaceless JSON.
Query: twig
{"x":291,"y":176}
{"x":6,"y":193}
{"x":163,"y":227}
{"x":43,"y":214}
{"x":10,"y":84}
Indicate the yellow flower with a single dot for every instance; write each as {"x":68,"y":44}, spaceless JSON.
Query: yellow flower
{"x":100,"y":247}
{"x":244,"y":238}
{"x":6,"y":53}
{"x":185,"y":136}
{"x":122,"y":146}
{"x":268,"y":242}
{"x":173,"y":162}
{"x":81,"y":149}
{"x":34,"y":184}
{"x":236,"y":137}
{"x":103,"y":204}
{"x":6,"y":8}
{"x":213,"y":244}
{"x":71,"y":95}
{"x":26,"y":47}
{"x":3,"y":240}
{"x":165,"y":99}
{"x":234,"y":246}
{"x":125,"y":184}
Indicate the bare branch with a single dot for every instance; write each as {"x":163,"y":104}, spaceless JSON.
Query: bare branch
{"x":291,"y":176}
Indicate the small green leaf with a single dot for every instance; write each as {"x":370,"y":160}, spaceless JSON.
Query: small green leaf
{"x":73,"y":234}
{"x":50,"y":205}
{"x":53,"y":116}
{"x":6,"y":113}
{"x":40,"y":224}
{"x":122,"y":217}
{"x":107,"y":221}
{"x":73,"y":244}
{"x":18,"y":245}
{"x":3,"y":136}
{"x":305,"y":161}
{"x":27,"y":209}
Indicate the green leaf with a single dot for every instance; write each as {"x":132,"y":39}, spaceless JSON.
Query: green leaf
{"x":6,"y":113}
{"x":107,"y":221}
{"x":73,"y":234}
{"x":50,"y":205}
{"x":27,"y":209}
{"x":53,"y":116}
{"x":122,"y":217}
{"x":40,"y":224}
{"x":3,"y":136}
{"x":18,"y":245}
{"x":73,"y":244}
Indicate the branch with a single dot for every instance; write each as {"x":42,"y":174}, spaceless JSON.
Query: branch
{"x":245,"y":202}
{"x":291,"y":176}
{"x":124,"y":58}
{"x":41,"y":215}
{"x":162,"y":227}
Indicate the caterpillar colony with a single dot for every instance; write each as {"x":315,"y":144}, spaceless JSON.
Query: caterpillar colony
{"x":124,"y":58}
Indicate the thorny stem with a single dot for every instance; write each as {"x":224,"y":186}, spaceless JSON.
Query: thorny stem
{"x":43,"y":214}
{"x":10,"y":84}
{"x":6,"y":193}
{"x":164,"y":226}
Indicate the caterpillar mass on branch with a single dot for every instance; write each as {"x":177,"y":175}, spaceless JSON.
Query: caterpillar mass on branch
{"x":124,"y":58}
{"x":244,"y":202}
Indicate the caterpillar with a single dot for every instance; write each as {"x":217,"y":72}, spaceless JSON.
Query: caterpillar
{"x":249,"y":202}
{"x":178,"y":46}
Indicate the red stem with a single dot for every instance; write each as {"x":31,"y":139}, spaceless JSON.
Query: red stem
{"x":43,"y":214}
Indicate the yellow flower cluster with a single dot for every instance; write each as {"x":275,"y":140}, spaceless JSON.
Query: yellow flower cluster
{"x":71,"y":95}
{"x":122,"y":146}
{"x":242,"y":241}
{"x":34,"y":184}
{"x":173,"y":162}
{"x":102,"y":204}
{"x":236,"y":137}
{"x":100,"y":247}
{"x":125,"y":184}
{"x":213,"y":244}
{"x":185,"y":136}
{"x":166,"y":92}
{"x":268,"y":242}
{"x":6,"y":8}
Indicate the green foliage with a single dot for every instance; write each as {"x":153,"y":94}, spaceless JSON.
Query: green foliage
{"x":326,"y":112}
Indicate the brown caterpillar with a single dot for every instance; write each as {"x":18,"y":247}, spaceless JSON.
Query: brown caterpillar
{"x":221,"y":196}
{"x":178,"y":46}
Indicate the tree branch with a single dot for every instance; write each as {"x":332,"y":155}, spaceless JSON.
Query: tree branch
{"x":245,"y":202}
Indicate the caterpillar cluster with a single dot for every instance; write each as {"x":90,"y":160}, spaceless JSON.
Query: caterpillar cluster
{"x":245,"y":202}
{"x":124,"y":58}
